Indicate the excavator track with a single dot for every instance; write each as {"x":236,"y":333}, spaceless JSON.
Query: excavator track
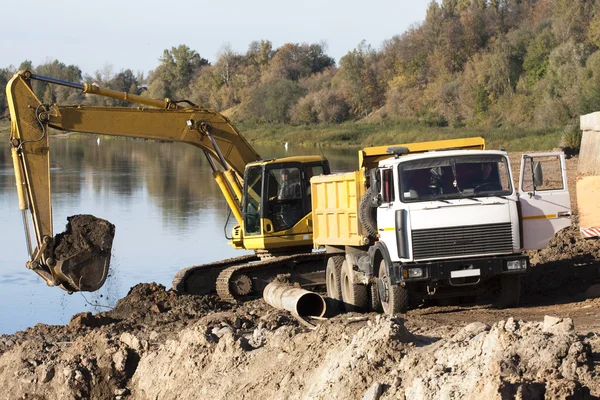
{"x":307,"y":269}
{"x":200,"y":279}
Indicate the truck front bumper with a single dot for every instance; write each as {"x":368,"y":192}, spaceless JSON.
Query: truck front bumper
{"x":458,"y":272}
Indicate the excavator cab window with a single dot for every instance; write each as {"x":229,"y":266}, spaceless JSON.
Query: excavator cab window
{"x":285,"y":207}
{"x":252,"y":200}
{"x":279,"y":192}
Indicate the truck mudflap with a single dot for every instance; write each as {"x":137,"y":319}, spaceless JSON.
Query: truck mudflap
{"x":459,"y":272}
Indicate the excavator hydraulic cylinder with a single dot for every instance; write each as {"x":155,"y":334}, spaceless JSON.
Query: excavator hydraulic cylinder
{"x":19,"y":179}
{"x":227,"y":193}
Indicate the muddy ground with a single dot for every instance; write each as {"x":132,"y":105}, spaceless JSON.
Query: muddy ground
{"x":156,"y":344}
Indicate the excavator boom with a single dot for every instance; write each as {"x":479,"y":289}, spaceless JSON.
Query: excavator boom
{"x":226,"y":150}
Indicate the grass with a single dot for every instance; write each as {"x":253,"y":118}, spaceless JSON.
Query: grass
{"x":364,"y":134}
{"x":387,"y":132}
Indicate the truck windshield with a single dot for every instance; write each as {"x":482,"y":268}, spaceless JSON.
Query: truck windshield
{"x":455,"y":177}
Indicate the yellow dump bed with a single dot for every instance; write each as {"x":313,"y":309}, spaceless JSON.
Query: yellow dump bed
{"x":335,"y":200}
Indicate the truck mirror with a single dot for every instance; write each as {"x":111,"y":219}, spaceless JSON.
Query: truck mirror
{"x":375,"y":180}
{"x":538,"y":176}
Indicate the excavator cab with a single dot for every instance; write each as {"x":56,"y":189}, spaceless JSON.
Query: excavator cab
{"x":277,"y":203}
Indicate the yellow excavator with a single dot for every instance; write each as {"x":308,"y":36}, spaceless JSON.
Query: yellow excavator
{"x":270,"y":199}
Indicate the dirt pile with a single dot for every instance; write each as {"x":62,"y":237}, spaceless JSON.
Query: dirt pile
{"x":156,"y":344}
{"x":567,"y":267}
{"x":84,"y":233}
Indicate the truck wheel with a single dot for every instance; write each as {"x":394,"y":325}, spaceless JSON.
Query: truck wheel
{"x":374,"y":298}
{"x":355,"y":297}
{"x":394,"y":298}
{"x":510,"y":291}
{"x":367,"y":215}
{"x":333,"y":275}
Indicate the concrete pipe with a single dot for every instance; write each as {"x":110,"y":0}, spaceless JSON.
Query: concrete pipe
{"x":299,"y":302}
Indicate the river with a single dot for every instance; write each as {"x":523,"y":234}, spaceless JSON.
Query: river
{"x":168,"y":211}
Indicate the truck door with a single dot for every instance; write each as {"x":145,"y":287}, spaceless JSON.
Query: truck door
{"x":386,"y":211}
{"x":543,"y":197}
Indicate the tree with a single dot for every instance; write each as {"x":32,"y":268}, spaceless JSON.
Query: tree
{"x":296,"y":61}
{"x":49,"y":93}
{"x":537,"y":58}
{"x":272,"y":101}
{"x":178,"y":67}
{"x":4,"y":78}
{"x":358,"y":79}
{"x":589,"y":100}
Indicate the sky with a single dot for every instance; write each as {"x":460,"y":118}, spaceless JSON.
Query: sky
{"x":121,"y":34}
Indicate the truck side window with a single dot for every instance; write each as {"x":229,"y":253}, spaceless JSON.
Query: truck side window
{"x":387,"y":185}
{"x":548,"y":171}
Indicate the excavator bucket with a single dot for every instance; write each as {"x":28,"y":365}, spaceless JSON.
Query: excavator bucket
{"x":83,"y":253}
{"x":84,"y":272}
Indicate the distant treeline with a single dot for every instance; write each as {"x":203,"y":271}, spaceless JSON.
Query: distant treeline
{"x":526,"y":63}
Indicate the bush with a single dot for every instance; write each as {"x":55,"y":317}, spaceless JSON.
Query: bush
{"x":273,"y":101}
{"x":304,"y":111}
{"x":571,"y":137}
{"x":331,"y":106}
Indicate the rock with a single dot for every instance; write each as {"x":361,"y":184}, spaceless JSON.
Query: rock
{"x":84,"y":319}
{"x":374,"y":392}
{"x":79,"y":376}
{"x":476,"y":327}
{"x":220,"y":332}
{"x":511,"y":325}
{"x":549,"y":322}
{"x":119,"y":360}
{"x":45,"y":373}
{"x":557,"y":325}
{"x":286,"y":379}
{"x":157,"y":308}
{"x":121,"y":392}
{"x":397,"y":331}
{"x":593,"y":292}
{"x":87,"y":319}
{"x":131,"y":341}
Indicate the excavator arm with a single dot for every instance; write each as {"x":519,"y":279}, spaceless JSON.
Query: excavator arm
{"x":226,"y":150}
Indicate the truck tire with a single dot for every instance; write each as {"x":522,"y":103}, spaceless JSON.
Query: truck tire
{"x":374,"y":298}
{"x":510,"y":291}
{"x":333,"y":274}
{"x":367,"y":215}
{"x":394,"y":298}
{"x":354,"y":296}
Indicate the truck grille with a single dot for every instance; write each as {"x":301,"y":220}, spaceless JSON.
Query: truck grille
{"x":461,"y":241}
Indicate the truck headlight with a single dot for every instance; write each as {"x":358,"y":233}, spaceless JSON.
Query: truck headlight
{"x":516,"y":265}
{"x":415,"y":272}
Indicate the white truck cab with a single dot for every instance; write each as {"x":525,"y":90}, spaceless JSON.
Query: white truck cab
{"x":451,"y":219}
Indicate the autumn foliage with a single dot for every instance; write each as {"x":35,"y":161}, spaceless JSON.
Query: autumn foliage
{"x":489,"y":63}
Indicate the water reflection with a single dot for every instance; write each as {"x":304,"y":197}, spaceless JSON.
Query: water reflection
{"x":167,"y":208}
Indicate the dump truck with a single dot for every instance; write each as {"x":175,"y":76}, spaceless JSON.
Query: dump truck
{"x":439,"y":219}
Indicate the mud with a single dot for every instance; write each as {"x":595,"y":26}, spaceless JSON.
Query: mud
{"x":84,"y":233}
{"x":156,"y":344}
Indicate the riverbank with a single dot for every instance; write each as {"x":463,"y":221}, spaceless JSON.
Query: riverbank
{"x":374,"y":133}
{"x":384,"y":132}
